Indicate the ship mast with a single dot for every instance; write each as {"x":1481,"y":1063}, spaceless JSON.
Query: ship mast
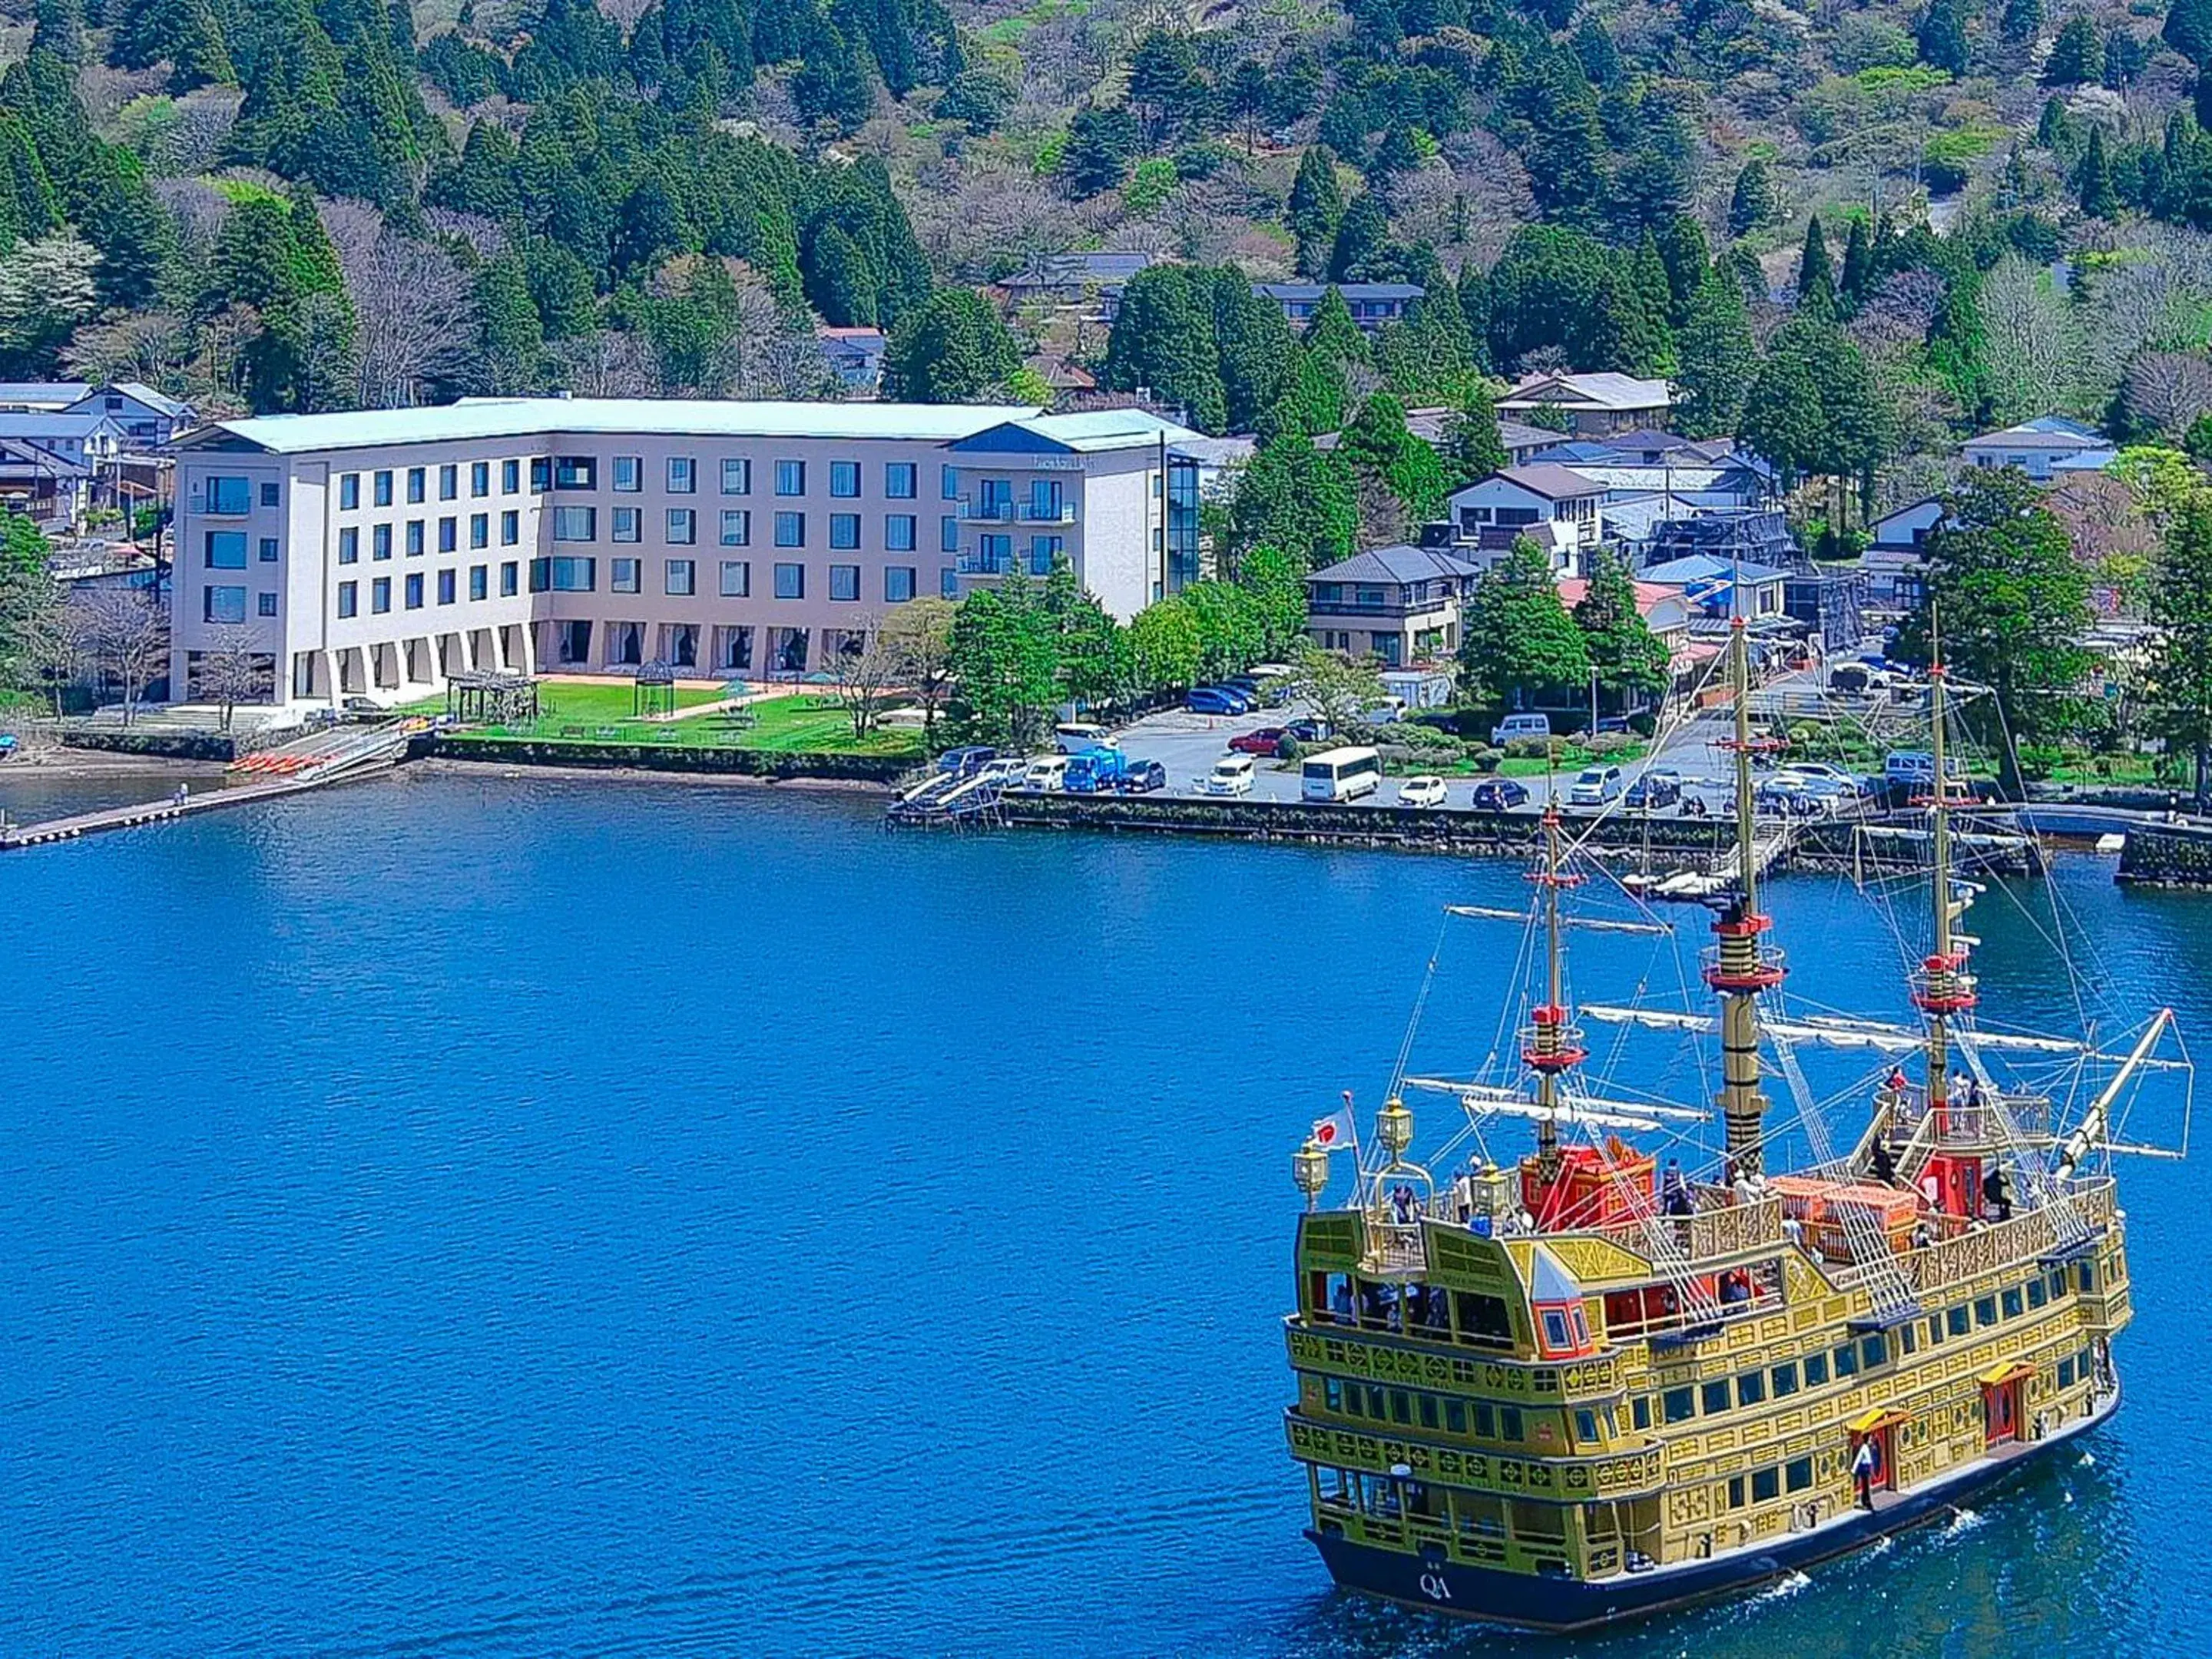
{"x":1551,"y":1045}
{"x":1738,"y":968}
{"x":1940,"y":990}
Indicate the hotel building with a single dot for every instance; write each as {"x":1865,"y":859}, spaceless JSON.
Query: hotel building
{"x":377,"y":553}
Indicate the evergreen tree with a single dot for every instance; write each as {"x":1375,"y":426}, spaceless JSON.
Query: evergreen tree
{"x":1362,"y":236}
{"x":1857,"y":281}
{"x":1813,"y":408}
{"x":1816,"y":274}
{"x":2054,"y":130}
{"x":2021,"y":21}
{"x":1255,"y":345}
{"x":1005,"y":664}
{"x":953,"y":350}
{"x":2077,"y":57}
{"x":2093,"y":181}
{"x":1316,"y":207}
{"x":1310,"y":401}
{"x":1516,"y":640}
{"x":512,"y":342}
{"x":1395,"y":157}
{"x":1683,"y":249}
{"x":1752,"y":205}
{"x":187,"y":34}
{"x":1163,"y":80}
{"x":2181,"y":607}
{"x":1941,"y":38}
{"x":1331,"y":336}
{"x":2188,"y":30}
{"x":1164,"y":646}
{"x":1378,"y":442}
{"x":1276,"y":582}
{"x":1632,"y":664}
{"x":831,"y":87}
{"x":1716,"y":356}
{"x":1472,"y":448}
{"x":59,"y":31}
{"x":1102,"y":145}
{"x":1294,"y":497}
{"x":1164,"y":339}
{"x":1595,"y":51}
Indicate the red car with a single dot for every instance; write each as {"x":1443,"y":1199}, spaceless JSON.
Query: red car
{"x":1265,"y":741}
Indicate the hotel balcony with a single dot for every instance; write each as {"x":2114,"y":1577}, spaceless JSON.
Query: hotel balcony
{"x":1054,"y":512}
{"x":986,"y":566}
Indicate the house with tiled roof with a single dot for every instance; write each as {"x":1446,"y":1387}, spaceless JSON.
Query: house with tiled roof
{"x":1590,"y":406}
{"x":1401,"y":605}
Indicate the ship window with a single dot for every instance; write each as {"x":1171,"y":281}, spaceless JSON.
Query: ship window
{"x":2085,"y":1276}
{"x":1428,"y":1411}
{"x":1679,"y":1405}
{"x":1717,"y":1397}
{"x":1455,"y":1416}
{"x":2066,"y":1373}
{"x":2037,"y":1295}
{"x":1586,"y":1427}
{"x":1482,"y":1318}
{"x":2058,"y":1283}
{"x":1750,"y":1387}
{"x":1555,"y":1329}
{"x":1401,"y":1407}
{"x":1798,"y":1475}
{"x":1508,"y":1423}
{"x":1639,"y":1410}
{"x":1985,"y":1310}
{"x":1479,"y":1514}
{"x":1816,"y":1369}
{"x":1935,"y":1330}
{"x":1785,"y":1381}
{"x":1582,"y":1326}
{"x":2012,"y":1309}
{"x":1910,"y":1336}
{"x":1485,"y":1420}
{"x":1332,"y":1394}
{"x":1875,"y":1350}
{"x":1332,"y":1296}
{"x":1544,"y":1523}
{"x":1765,"y":1484}
{"x":1847,"y":1361}
{"x":1375,"y":1402}
{"x":1735,"y":1491}
{"x":1955,"y":1321}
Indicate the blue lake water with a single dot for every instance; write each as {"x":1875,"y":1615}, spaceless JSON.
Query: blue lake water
{"x":474,"y":1216}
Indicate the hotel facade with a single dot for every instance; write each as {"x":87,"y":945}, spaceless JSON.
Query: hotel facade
{"x":379,"y":553}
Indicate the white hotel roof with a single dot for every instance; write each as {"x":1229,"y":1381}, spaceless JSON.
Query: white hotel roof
{"x":522,"y":417}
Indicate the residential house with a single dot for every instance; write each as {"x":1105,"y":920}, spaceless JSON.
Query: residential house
{"x":1523,"y":442}
{"x":41,"y":483}
{"x":1708,"y":474}
{"x":1665,"y":611}
{"x":46,"y":397}
{"x":1491,"y":513}
{"x":1401,"y":605}
{"x":150,"y":420}
{"x":1590,"y":406}
{"x":1067,"y":279}
{"x":1895,"y":569}
{"x":1723,"y":588}
{"x":1371,"y":304}
{"x":855,"y":357}
{"x":2037,"y":446}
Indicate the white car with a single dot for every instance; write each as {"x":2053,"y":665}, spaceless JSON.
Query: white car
{"x":1045,"y":772}
{"x":1232,"y":776}
{"x":1850,"y":782}
{"x":1594,"y":786}
{"x":1424,"y":791}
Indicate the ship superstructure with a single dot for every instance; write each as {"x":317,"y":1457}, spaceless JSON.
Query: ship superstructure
{"x":1576,"y":1388}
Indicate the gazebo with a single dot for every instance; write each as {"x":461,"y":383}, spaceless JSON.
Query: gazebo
{"x":655,"y":691}
{"x":485,"y":697}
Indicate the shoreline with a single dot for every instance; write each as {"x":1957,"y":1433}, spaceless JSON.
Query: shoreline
{"x":455,"y":766}
{"x":80,"y":764}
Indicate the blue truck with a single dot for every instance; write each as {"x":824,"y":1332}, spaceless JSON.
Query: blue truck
{"x":1094,"y":772}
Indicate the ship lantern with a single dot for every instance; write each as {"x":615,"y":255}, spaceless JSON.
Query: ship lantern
{"x":1310,"y":1169}
{"x":1393,"y":1128}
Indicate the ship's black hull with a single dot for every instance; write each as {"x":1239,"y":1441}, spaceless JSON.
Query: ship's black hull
{"x":1563,"y":1605}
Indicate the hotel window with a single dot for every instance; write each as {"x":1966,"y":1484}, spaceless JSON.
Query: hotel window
{"x":510,"y":528}
{"x":449,"y":534}
{"x":541,"y":474}
{"x":448,"y":587}
{"x":791,"y":581}
{"x":1735,"y":1491}
{"x":349,"y":491}
{"x":573,"y":576}
{"x":844,"y":531}
{"x":449,"y":482}
{"x":379,"y":595}
{"x":381,"y":491}
{"x":737,"y":527}
{"x":414,"y":538}
{"x":1639,"y":1410}
{"x":417,"y":481}
{"x":628,"y":523}
{"x":349,"y":598}
{"x":948,"y":482}
{"x":225,"y":549}
{"x":349,"y":546}
{"x":791,"y":529}
{"x":948,"y":534}
{"x":575,"y":472}
{"x":948,"y":582}
{"x":681,"y":578}
{"x":479,"y":530}
{"x":844,"y":478}
{"x":737,"y":477}
{"x":791,"y":477}
{"x":682,"y":526}
{"x":510,"y":477}
{"x":898,"y":583}
{"x":223,"y":605}
{"x":229,"y":497}
{"x":736,"y":580}
{"x":479,"y":581}
{"x":267,"y":551}
{"x":629,"y":473}
{"x":622,"y":575}
{"x":479,"y":478}
{"x":265,"y":604}
{"x":900,"y":481}
{"x":576,"y":524}
{"x":272,"y":493}
{"x":682,"y":475}
{"x":415,"y":591}
{"x":510,"y":579}
{"x":379,"y":542}
{"x":844,"y":581}
{"x":898,"y":532}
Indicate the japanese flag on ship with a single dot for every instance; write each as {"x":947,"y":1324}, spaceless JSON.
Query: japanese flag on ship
{"x":1335,"y":1131}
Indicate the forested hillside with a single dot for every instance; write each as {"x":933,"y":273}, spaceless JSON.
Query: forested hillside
{"x":1848,"y":232}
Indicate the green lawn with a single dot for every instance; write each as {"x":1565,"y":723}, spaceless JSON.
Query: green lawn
{"x":808,"y":722}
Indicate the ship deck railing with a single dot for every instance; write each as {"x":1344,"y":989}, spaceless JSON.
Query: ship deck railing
{"x":1956,"y":1123}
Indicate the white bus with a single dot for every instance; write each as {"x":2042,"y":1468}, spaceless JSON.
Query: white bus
{"x":1342,"y":774}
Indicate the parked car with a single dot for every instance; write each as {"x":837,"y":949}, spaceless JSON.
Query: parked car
{"x":1850,"y":782}
{"x":1093,"y":772}
{"x":1265,"y":741}
{"x":1658,"y":786}
{"x":1309,"y":730}
{"x":1076,"y":736}
{"x":1520,"y":725}
{"x":966,"y":762}
{"x":1389,"y":711}
{"x":1045,"y":772}
{"x":1211,"y":700}
{"x":1232,"y":776}
{"x":360,"y":705}
{"x":1142,"y":777}
{"x":1785,"y":793}
{"x":7,"y":744}
{"x":1426,"y":790}
{"x":1594,"y":786}
{"x":1007,"y":771}
{"x":1500,"y":795}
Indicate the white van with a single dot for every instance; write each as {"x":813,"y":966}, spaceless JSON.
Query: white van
{"x":1232,"y":776}
{"x":1520,"y":725}
{"x":1045,"y":772}
{"x":1342,"y":775}
{"x":1918,"y":766}
{"x":1077,"y":736}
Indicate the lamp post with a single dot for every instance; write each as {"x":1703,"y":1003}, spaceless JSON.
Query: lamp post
{"x":1593,"y":700}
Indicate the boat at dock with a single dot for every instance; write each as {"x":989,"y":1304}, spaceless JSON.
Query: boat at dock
{"x":1565,"y":1384}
